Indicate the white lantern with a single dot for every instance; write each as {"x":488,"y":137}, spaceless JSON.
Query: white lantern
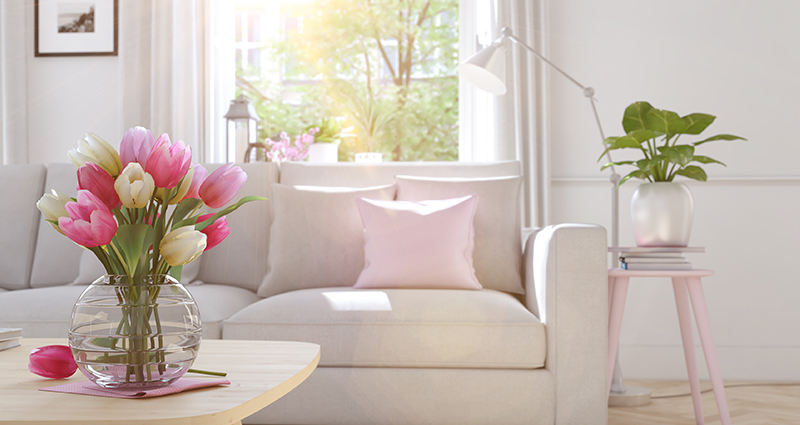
{"x":241,"y":138}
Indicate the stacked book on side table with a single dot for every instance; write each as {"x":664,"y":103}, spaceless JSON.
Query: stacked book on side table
{"x":654,"y":258}
{"x":9,"y":338}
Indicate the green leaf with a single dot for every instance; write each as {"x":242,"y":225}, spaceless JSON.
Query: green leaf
{"x":618,"y":163}
{"x":639,"y":174}
{"x":665,"y":121}
{"x":696,"y":123}
{"x":706,"y":160}
{"x":621,"y":143}
{"x":176,"y":272}
{"x":681,"y":154}
{"x":185,"y":207}
{"x":610,"y":140}
{"x":635,"y":116}
{"x":642,"y":136}
{"x":720,"y":137}
{"x":693,"y":172}
{"x":200,"y":226}
{"x":134,"y":240}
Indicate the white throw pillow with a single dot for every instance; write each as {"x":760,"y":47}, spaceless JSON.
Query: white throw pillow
{"x":316,"y":238}
{"x":498,"y":248}
{"x":91,"y":268}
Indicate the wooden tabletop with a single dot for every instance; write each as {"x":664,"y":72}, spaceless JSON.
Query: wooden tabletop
{"x":260,"y":373}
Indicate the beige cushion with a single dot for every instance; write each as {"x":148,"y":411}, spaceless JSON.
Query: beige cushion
{"x":240,"y":260}
{"x":498,"y":248}
{"x":348,"y":174}
{"x":45,"y":312}
{"x":22,"y":186}
{"x":400,"y":327}
{"x":317,"y":238}
{"x":57,"y":258}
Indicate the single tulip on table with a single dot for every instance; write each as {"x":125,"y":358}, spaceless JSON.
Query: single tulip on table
{"x":52,"y":361}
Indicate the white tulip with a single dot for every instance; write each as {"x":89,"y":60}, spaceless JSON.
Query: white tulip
{"x":182,"y":245}
{"x":52,"y":207}
{"x":96,"y":150}
{"x":134,"y":186}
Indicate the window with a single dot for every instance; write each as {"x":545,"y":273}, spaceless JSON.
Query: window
{"x":384,"y":68}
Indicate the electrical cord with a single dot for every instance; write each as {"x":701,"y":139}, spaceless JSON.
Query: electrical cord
{"x":747,"y":384}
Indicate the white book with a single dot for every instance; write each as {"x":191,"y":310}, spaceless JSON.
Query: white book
{"x":657,"y":266}
{"x":9,"y":343}
{"x":652,"y":249}
{"x":8,"y":333}
{"x":630,"y":260}
{"x":651,"y":254}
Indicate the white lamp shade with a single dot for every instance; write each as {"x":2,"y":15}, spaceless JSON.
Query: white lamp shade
{"x":486,"y":69}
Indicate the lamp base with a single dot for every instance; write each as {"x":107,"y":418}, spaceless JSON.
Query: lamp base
{"x":632,"y":397}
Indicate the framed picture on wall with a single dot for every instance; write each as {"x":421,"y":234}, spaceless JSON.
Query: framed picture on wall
{"x":76,"y":27}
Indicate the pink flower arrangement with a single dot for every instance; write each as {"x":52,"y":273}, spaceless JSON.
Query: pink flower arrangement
{"x":121,"y":210}
{"x":284,"y":150}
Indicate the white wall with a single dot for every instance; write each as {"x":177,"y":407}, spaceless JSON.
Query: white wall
{"x":67,"y":97}
{"x":734,"y":59}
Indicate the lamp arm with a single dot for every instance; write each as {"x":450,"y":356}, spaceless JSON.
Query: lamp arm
{"x":589,"y":93}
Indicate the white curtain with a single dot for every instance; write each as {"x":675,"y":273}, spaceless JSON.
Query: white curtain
{"x":163,"y":69}
{"x":511,"y":126}
{"x":13,"y":85}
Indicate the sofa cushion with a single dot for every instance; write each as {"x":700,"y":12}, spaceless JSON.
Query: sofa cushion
{"x":57,"y":258}
{"x":365,"y":175}
{"x":422,"y":245}
{"x":22,"y":186}
{"x":400,"y":327}
{"x":241,"y":259}
{"x":498,"y":248}
{"x":45,"y":312}
{"x":317,"y":238}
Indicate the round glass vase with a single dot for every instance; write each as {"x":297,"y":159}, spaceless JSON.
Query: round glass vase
{"x":135,"y":332}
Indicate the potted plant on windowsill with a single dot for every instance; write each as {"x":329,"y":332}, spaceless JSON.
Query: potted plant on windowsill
{"x":662,"y":210}
{"x":326,"y":140}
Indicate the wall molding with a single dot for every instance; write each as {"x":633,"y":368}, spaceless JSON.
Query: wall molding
{"x":733,"y":180}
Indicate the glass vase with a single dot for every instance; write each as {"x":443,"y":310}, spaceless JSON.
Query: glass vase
{"x":135,"y":332}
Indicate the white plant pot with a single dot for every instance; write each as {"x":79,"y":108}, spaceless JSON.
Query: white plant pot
{"x":662,"y":214}
{"x":323,"y":152}
{"x":366,"y":157}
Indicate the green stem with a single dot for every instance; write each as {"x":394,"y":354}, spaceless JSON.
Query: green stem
{"x":121,"y":259}
{"x":206,"y":372}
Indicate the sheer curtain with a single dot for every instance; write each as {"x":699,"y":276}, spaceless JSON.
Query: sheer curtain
{"x":163,"y":69}
{"x":511,"y":126}
{"x":13,"y":85}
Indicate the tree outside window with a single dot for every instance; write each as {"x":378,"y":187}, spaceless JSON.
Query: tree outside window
{"x":385,"y":68}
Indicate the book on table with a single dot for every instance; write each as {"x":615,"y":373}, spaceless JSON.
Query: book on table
{"x":657,"y":266}
{"x":9,"y":338}
{"x":654,"y":258}
{"x":9,"y":343}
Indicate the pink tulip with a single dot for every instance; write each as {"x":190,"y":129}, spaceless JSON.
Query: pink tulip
{"x":222,"y":185}
{"x":93,"y":178}
{"x":168,"y":163}
{"x":52,"y":361}
{"x":200,"y":174}
{"x":136,"y":146}
{"x":90,"y":222}
{"x":216,"y":232}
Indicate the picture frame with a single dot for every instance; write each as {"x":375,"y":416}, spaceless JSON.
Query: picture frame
{"x":76,"y":28}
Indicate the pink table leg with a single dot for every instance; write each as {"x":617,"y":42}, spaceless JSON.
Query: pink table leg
{"x":615,"y":322}
{"x":685,"y":321}
{"x":704,"y":327}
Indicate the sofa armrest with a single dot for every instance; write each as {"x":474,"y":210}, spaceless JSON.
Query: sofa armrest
{"x":566,"y":281}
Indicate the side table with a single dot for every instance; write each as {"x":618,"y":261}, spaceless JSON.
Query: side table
{"x":683,"y":282}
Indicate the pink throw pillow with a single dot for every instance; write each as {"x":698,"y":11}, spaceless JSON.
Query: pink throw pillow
{"x":423,"y":245}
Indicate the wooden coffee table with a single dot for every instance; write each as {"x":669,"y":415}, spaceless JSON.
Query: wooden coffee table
{"x":260,"y":373}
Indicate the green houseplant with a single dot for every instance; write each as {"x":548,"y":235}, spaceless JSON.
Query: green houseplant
{"x":662,"y":211}
{"x":655,"y":132}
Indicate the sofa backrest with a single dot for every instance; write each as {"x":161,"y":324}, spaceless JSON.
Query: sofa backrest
{"x":57,"y":258}
{"x":241,"y":259}
{"x":348,"y":174}
{"x":20,"y":187}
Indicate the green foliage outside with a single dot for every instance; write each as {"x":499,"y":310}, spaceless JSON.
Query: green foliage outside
{"x":386,"y":68}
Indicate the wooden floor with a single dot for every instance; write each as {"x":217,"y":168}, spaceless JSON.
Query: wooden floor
{"x":756,"y":405}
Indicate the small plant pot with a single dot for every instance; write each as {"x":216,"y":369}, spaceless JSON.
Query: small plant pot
{"x":323,"y":152}
{"x":368,"y":157}
{"x":662,"y":214}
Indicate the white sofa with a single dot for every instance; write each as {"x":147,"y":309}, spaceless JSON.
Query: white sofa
{"x":430,"y":357}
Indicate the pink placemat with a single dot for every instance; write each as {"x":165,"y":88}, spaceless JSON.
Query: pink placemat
{"x":90,"y":388}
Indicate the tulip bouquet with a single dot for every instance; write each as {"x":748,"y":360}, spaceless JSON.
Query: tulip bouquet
{"x":139,"y":211}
